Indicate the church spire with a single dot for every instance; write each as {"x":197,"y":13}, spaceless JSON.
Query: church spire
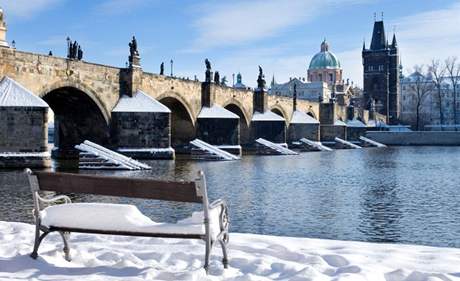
{"x":364,"y":44}
{"x":272,"y":84}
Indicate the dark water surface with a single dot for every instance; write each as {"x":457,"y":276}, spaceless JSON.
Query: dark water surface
{"x":401,"y":195}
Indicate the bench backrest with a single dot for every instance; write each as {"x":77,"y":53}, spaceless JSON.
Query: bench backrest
{"x":194,"y":191}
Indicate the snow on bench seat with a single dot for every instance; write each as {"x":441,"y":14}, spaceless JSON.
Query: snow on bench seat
{"x":123,"y":218}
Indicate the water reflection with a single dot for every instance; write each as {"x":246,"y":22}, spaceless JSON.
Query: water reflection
{"x":406,"y":195}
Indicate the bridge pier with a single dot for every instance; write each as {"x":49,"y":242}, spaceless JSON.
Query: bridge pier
{"x":355,"y":127}
{"x":331,"y":126}
{"x":141,"y":127}
{"x":217,"y":125}
{"x":266,"y":124}
{"x":303,"y":126}
{"x":23,"y":129}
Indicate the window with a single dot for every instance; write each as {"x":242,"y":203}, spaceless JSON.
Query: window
{"x":331,"y":77}
{"x":320,"y":77}
{"x":371,"y":68}
{"x":380,"y":67}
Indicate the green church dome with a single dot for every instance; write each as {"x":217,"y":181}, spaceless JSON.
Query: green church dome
{"x":324,"y":59}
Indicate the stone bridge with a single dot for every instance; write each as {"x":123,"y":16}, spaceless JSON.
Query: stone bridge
{"x":82,"y":96}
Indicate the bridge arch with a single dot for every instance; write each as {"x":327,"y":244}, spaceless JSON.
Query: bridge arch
{"x":312,"y":114}
{"x":280,"y":111}
{"x":182,"y":120}
{"x":77,"y":117}
{"x":180,"y":98}
{"x":82,"y":88}
{"x":236,"y":108}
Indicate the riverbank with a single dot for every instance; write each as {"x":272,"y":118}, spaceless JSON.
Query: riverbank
{"x":252,"y":257}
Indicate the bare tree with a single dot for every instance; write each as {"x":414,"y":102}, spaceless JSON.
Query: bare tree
{"x":421,"y":86}
{"x":438,"y":71}
{"x":453,"y":71}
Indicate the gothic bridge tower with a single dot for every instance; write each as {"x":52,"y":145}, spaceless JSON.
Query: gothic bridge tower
{"x":381,"y":74}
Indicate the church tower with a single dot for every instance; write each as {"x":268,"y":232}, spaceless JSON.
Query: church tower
{"x":3,"y":42}
{"x":381,"y":74}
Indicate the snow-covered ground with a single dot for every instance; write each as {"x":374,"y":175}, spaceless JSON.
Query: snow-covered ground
{"x":252,"y":257}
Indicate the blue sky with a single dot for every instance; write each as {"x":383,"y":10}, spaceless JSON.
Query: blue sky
{"x":236,"y":36}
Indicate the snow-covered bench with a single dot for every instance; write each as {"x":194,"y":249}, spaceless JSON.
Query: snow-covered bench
{"x":210,"y":225}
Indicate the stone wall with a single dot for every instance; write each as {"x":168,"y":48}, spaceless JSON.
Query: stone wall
{"x":308,"y":131}
{"x":416,"y":138}
{"x":274,"y":131}
{"x":23,"y":129}
{"x":353,"y":133}
{"x":330,"y":132}
{"x":219,"y":131}
{"x":41,"y":74}
{"x":141,"y":129}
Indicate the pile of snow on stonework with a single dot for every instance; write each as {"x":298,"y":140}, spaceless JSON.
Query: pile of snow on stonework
{"x":217,"y":112}
{"x":339,"y":123}
{"x":266,"y":116}
{"x":15,"y":95}
{"x":252,"y":258}
{"x":299,"y":117}
{"x":355,"y":123}
{"x":139,"y":102}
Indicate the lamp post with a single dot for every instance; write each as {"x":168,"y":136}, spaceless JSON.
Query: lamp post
{"x":68,"y":47}
{"x":172,"y":63}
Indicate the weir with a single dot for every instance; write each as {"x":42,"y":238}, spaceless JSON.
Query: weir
{"x":94,"y":156}
{"x":206,"y":151}
{"x":275,"y":148}
{"x":371,"y":142}
{"x":346,"y":144}
{"x":315,"y":145}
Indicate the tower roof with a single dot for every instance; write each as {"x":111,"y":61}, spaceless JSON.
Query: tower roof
{"x":378,"y":36}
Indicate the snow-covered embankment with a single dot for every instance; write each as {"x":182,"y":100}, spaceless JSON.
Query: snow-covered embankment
{"x":252,"y":257}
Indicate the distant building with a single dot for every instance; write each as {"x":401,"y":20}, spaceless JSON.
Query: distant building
{"x":325,"y":67}
{"x":324,"y":82}
{"x":430,"y":110}
{"x":381,"y":74}
{"x":239,"y":84}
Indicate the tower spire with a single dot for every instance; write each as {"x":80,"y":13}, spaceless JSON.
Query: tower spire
{"x":394,"y":44}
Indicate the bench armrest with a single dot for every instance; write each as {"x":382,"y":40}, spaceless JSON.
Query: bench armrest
{"x":55,"y":199}
{"x":224,"y":220}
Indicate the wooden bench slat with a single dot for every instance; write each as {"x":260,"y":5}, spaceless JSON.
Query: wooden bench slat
{"x":119,"y":186}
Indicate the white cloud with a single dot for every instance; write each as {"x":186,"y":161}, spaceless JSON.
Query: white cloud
{"x":26,"y":8}
{"x":421,"y":37}
{"x":429,"y":35}
{"x":228,"y":24}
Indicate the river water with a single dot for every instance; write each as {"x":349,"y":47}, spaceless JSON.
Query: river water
{"x":398,"y":195}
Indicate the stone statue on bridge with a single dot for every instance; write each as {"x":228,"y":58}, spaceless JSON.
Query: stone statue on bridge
{"x":224,"y":81}
{"x":217,"y":78}
{"x":162,"y":68}
{"x":133,"y":47}
{"x":208,"y":70}
{"x":134,"y":59}
{"x":74,"y":50}
{"x":79,"y":53}
{"x":260,"y":80}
